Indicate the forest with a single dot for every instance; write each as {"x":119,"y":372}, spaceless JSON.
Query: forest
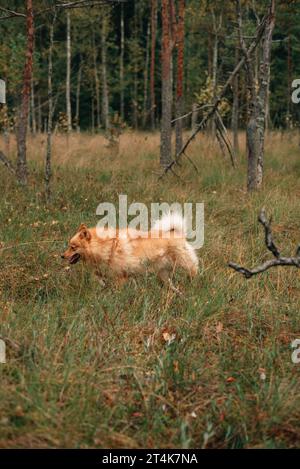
{"x":164,"y":101}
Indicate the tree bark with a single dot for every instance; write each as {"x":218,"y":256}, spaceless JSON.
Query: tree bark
{"x":180,"y":72}
{"x":122,"y":48}
{"x":257,"y":99}
{"x":289,"y":85}
{"x":146,"y":75}
{"x":68,"y":77}
{"x":105,"y":100}
{"x":215,"y":58}
{"x":32,"y":101}
{"x":135,"y":70}
{"x":78,"y":97}
{"x":39,"y":113}
{"x":263,"y":94}
{"x":48,"y":173}
{"x":152,"y":66}
{"x":166,"y":98}
{"x":235,"y":108}
{"x":23,"y":116}
{"x":97,"y":83}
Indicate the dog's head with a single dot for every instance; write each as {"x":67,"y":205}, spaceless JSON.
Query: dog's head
{"x":78,"y":245}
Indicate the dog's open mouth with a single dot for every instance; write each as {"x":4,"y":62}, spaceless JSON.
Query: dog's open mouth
{"x":75,"y":258}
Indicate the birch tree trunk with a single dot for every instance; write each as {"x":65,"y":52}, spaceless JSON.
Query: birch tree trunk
{"x":251,"y":128}
{"x":105,"y":101}
{"x":257,"y":99}
{"x":180,"y":72}
{"x":97,"y":84}
{"x":215,"y":57}
{"x":48,"y":173}
{"x":68,"y":77}
{"x":122,"y":64}
{"x":24,"y":111}
{"x":166,"y":98}
{"x":78,"y":97}
{"x":263,"y":94}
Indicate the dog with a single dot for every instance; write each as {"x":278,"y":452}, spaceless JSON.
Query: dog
{"x":127,"y":252}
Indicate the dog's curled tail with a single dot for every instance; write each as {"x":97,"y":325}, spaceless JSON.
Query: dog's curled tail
{"x":171,"y":221}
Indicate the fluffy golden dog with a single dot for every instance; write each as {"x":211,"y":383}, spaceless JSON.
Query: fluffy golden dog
{"x":127,"y":252}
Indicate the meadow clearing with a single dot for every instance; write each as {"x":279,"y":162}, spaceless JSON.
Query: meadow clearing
{"x":141,"y":366}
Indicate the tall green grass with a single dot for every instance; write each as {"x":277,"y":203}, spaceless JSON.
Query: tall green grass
{"x":89,"y":366}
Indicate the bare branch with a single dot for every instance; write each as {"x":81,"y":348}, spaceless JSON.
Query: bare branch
{"x":61,"y":5}
{"x":268,"y":233}
{"x":259,"y":33}
{"x":278,"y":261}
{"x":7,"y":163}
{"x":11,"y":13}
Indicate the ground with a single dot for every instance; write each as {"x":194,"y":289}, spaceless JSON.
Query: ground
{"x":140,"y":366}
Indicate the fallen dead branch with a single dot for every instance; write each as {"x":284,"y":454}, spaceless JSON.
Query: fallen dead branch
{"x":278,"y":261}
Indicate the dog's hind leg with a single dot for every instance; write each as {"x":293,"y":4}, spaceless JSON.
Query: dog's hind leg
{"x":187,"y":259}
{"x":164,"y":276}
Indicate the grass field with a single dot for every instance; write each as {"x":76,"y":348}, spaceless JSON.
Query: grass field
{"x":91,"y":367}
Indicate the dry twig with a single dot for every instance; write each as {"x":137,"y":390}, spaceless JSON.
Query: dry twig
{"x":278,"y":261}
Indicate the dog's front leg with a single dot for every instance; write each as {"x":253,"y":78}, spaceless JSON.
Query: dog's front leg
{"x":100,"y":278}
{"x":121,"y":279}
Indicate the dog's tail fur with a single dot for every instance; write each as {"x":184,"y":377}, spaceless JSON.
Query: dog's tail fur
{"x":171,"y":221}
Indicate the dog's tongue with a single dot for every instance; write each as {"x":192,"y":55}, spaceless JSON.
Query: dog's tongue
{"x":75,"y":258}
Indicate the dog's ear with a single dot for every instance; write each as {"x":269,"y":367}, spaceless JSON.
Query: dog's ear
{"x":84,"y":232}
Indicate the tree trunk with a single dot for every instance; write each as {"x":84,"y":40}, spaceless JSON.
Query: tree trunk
{"x":180,"y":72}
{"x":263,"y":94}
{"x":97,"y":85}
{"x":122,"y":64}
{"x":146,"y":73}
{"x":166,"y":98}
{"x":50,"y":115}
{"x":194,"y":119}
{"x":23,"y":116}
{"x":152,"y":66}
{"x":258,"y":98}
{"x":33,"y":117}
{"x":93,"y":112}
{"x":39,"y":113}
{"x":105,"y":101}
{"x":235,"y":108}
{"x":214,"y":65}
{"x":68,"y":78}
{"x":78,"y":97}
{"x":289,"y":87}
{"x":135,"y":71}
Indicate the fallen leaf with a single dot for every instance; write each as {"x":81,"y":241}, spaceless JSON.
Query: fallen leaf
{"x":231,"y":379}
